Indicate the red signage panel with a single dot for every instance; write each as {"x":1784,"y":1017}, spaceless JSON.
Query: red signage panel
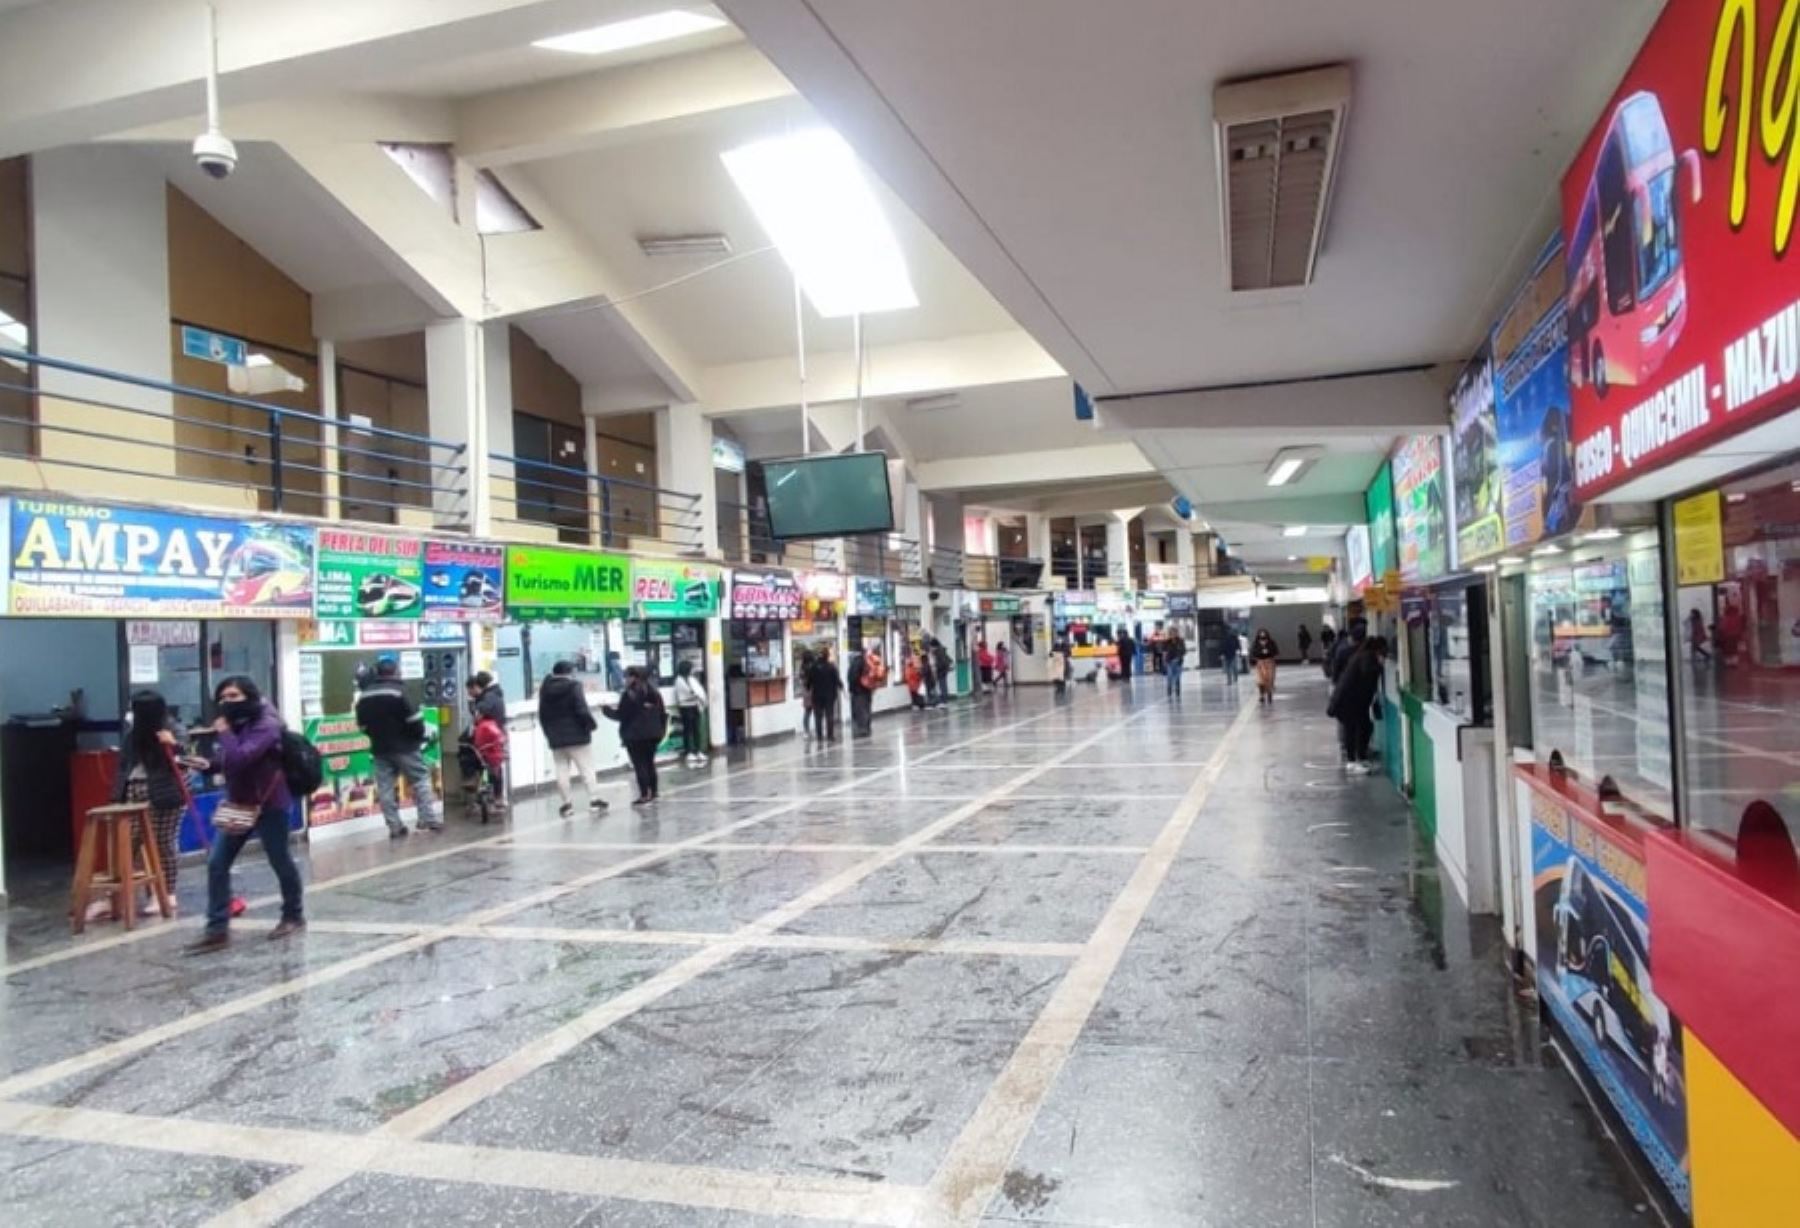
{"x":1679,"y":219}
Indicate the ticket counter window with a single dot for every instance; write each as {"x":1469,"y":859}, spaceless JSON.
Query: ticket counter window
{"x":1739,"y":661}
{"x":1599,"y":669}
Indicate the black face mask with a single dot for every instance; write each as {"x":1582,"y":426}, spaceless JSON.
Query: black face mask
{"x":239,"y":711}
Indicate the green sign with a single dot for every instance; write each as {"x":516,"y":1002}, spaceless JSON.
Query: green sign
{"x":349,"y":788}
{"x":548,"y":584}
{"x":1383,"y":554}
{"x":369,"y":575}
{"x":1001,"y":605}
{"x":674,"y":590}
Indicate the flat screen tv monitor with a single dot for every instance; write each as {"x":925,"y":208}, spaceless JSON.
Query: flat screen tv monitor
{"x":828,"y":496}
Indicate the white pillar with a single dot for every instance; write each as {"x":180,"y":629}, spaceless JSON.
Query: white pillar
{"x":1184,"y":555}
{"x":331,"y":480}
{"x":1118,"y":550}
{"x":684,"y":464}
{"x":946,"y":522}
{"x":468,"y":372}
{"x":1037,"y":542}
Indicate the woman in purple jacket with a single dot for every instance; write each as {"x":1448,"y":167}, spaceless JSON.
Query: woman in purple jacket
{"x":249,"y":756}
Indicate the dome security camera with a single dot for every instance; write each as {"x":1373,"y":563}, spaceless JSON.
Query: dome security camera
{"x":215,"y":153}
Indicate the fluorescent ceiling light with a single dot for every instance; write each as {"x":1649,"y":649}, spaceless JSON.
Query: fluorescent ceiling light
{"x":1293,"y":558}
{"x":637,"y":32}
{"x":1509,"y":560}
{"x":1603,"y":535}
{"x":810,"y":196}
{"x":1482,"y":569}
{"x":1294,"y":530}
{"x":1290,"y":463}
{"x":1548,"y":548}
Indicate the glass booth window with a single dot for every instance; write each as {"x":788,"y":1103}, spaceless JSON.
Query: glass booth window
{"x":1739,"y":644}
{"x":1599,"y":671}
{"x":1459,"y":661}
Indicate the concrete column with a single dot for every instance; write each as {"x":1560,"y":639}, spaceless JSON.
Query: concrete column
{"x":946,"y":522}
{"x":1118,"y":550}
{"x":684,"y":464}
{"x":1184,"y":554}
{"x":100,"y":278}
{"x":468,"y":372}
{"x":1037,"y":541}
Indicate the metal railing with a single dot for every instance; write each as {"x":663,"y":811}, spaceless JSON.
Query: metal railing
{"x":102,"y":422}
{"x":944,"y":568}
{"x":886,"y":556}
{"x":587,"y":509}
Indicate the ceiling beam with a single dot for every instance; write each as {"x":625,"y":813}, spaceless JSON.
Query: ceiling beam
{"x":554,"y":118}
{"x":904,"y":370}
{"x":1338,"y":509}
{"x":1408,"y":402}
{"x":1018,"y":469}
{"x":77,"y":70}
{"x":341,"y":117}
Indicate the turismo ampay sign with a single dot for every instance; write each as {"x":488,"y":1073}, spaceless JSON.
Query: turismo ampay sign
{"x":1679,"y":212}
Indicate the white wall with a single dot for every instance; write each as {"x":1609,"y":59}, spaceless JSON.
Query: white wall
{"x":1283,"y":622}
{"x":101,"y":269}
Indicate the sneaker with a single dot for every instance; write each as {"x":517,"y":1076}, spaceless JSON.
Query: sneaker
{"x":432,"y":829}
{"x":566,"y":810}
{"x":398,"y":833}
{"x":210,"y":941}
{"x":597,"y":803}
{"x":286,"y":927}
{"x":699,"y":760}
{"x":642,"y":801}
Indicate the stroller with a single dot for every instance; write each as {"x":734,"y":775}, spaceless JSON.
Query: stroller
{"x":480,"y":781}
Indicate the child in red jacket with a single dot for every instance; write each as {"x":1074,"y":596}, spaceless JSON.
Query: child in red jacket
{"x":490,"y":747}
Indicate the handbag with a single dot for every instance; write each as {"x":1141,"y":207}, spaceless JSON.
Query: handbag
{"x":239,"y":818}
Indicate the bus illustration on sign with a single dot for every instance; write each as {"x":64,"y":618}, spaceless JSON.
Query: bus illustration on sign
{"x":1627,"y":288}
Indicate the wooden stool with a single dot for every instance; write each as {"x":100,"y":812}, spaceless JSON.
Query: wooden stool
{"x":111,"y":828}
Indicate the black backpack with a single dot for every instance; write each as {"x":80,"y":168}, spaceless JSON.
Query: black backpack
{"x":301,"y":764}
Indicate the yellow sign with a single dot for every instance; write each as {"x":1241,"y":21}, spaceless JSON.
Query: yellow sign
{"x":1319,"y":562}
{"x":1699,"y":539}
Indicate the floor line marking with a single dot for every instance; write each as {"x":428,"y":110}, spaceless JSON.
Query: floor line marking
{"x":274,"y":1202}
{"x":1104,"y":850}
{"x":44,"y":1075}
{"x":976,"y":1163}
{"x":343,"y":1155}
{"x":691,"y":938}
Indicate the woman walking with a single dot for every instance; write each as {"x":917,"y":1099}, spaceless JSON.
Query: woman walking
{"x":248,"y":755}
{"x":1263,"y":653}
{"x":568,"y":726}
{"x":643,"y":724}
{"x":148,"y":774}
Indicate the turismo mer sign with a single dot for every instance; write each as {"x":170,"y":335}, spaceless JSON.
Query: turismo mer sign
{"x":1683,"y":292}
{"x":546,"y":584}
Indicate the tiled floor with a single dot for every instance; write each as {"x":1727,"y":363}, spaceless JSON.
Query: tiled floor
{"x":1103,"y":961}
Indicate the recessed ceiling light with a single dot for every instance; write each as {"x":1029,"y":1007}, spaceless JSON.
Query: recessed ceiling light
{"x":1509,"y":560}
{"x":809,"y":193}
{"x":1482,"y":568}
{"x":637,"y":32}
{"x":1294,"y":530}
{"x":1603,"y":535}
{"x":1293,"y":558}
{"x":1290,"y":463}
{"x":1548,"y":548}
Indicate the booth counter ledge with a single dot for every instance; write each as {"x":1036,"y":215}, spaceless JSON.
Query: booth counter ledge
{"x":1727,"y":955}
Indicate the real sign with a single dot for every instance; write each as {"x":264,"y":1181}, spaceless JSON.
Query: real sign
{"x":69,"y":559}
{"x":1679,"y":211}
{"x":674,"y":590}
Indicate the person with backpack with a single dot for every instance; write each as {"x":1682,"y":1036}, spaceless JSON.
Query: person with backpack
{"x":568,"y":726}
{"x":396,"y":732}
{"x":825,"y":684}
{"x":690,"y":703}
{"x":943,"y":666}
{"x":643,"y":724}
{"x":251,"y":753}
{"x":1346,"y":647}
{"x":1353,"y":701}
{"x":148,"y":772}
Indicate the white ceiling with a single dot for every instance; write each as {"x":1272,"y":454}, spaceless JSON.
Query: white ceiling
{"x":672,"y":182}
{"x":1218,"y":468}
{"x":995,"y":420}
{"x":1075,"y":141}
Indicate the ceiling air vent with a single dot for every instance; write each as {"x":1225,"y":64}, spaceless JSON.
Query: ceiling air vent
{"x":1277,"y":141}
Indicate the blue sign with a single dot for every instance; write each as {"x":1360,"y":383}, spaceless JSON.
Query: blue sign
{"x":874,"y":597}
{"x":105,"y":561}
{"x":1531,"y":404}
{"x":1084,"y":405}
{"x":463,"y":582}
{"x":209,"y":346}
{"x":1183,"y":508}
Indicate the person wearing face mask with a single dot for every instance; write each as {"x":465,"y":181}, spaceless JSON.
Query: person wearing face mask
{"x":248,"y":755}
{"x":1263,"y":654}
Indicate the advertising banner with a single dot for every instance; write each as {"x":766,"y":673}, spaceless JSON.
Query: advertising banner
{"x":1421,"y":528}
{"x":1679,"y":210}
{"x":95,"y":560}
{"x":349,"y":788}
{"x":549,"y":584}
{"x":1384,"y":554}
{"x":1475,"y":451}
{"x":463,"y":582}
{"x":370,"y":575}
{"x":1182,"y":603}
{"x":1699,"y":539}
{"x":1166,"y":577}
{"x":1594,"y":975}
{"x":1000,"y":606}
{"x":674,"y":590}
{"x":770,"y":595}
{"x":1530,"y":349}
{"x":1356,"y":555}
{"x":872,"y":597}
{"x":1077,"y":603}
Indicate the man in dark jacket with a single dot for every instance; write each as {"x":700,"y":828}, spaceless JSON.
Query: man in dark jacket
{"x":643,"y":724}
{"x":827,"y":685}
{"x":486,"y":698}
{"x":945,"y":668}
{"x":568,"y":726}
{"x":396,"y":731}
{"x":1346,"y":647}
{"x":1353,"y":699}
{"x":862,"y":700}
